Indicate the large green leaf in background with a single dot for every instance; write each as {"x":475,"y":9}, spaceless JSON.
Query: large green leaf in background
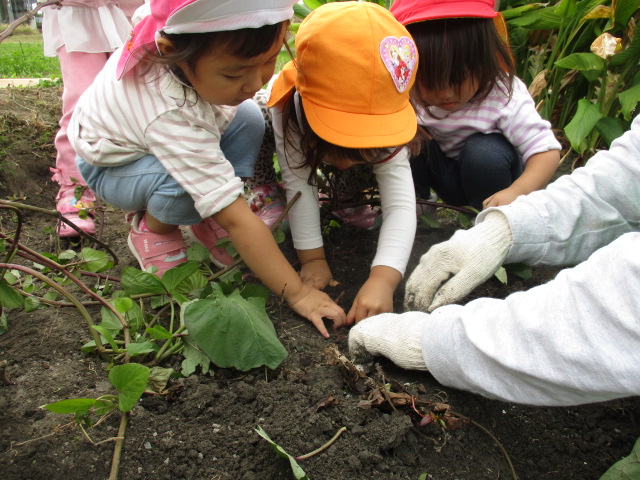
{"x":233,"y":331}
{"x":582,"y":124}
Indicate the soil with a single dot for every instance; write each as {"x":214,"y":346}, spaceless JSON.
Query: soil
{"x":207,"y":431}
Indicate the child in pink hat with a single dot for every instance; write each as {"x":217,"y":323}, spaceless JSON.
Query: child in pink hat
{"x":168,"y":131}
{"x":489,"y":144}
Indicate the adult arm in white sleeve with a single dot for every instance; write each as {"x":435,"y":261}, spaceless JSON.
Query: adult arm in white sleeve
{"x":581,"y":212}
{"x":571,"y":341}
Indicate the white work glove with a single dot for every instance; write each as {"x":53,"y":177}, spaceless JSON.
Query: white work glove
{"x":397,"y":337}
{"x":452,"y":269}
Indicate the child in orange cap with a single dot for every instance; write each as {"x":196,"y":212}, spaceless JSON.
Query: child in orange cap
{"x":168,"y":129}
{"x":344,"y":103}
{"x":489,"y":144}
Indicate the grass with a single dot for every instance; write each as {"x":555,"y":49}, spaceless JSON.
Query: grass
{"x":21,"y":56}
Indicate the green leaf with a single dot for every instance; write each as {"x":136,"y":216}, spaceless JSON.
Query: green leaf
{"x":9,"y":296}
{"x":465,"y":220}
{"x":198,"y":253}
{"x":255,"y":290}
{"x":610,"y":129}
{"x":582,"y":124}
{"x":301,"y":11}
{"x":123,"y":304}
{"x":233,"y":331}
{"x":73,"y":405}
{"x":137,"y":282}
{"x":67,"y":255}
{"x":103,"y":407}
{"x":298,"y":472}
{"x":626,"y":469}
{"x":96,"y":261}
{"x":158,"y":332}
{"x":108,"y":336}
{"x":31,"y":304}
{"x":630,"y":55}
{"x":501,"y":275}
{"x":130,"y":380}
{"x":135,"y":348}
{"x":193,"y":357}
{"x":519,"y":270}
{"x":176,"y":280}
{"x":279,"y":235}
{"x":629,"y":100}
{"x":581,"y":61}
{"x":110,"y":321}
{"x":158,"y":379}
{"x":624,"y":10}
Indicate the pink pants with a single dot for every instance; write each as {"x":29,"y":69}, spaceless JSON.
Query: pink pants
{"x":78,"y":71}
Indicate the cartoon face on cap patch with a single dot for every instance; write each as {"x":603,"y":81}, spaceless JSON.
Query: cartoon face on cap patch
{"x":399,"y":56}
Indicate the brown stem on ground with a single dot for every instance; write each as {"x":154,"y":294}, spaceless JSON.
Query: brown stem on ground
{"x":496,"y":441}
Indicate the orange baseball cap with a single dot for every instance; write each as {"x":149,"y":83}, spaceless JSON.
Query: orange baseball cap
{"x":354,"y":69}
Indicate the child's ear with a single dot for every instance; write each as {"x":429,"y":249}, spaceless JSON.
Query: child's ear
{"x":165,"y":46}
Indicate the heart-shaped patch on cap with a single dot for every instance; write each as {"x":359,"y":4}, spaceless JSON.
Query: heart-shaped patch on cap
{"x":399,"y":56}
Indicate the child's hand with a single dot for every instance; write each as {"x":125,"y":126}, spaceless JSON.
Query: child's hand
{"x":314,"y":305}
{"x":503,"y":197}
{"x":376,"y":295}
{"x":316,"y":274}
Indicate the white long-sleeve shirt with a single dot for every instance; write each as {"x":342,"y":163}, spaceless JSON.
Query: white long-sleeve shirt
{"x":397,"y":198}
{"x":118,"y":121}
{"x":515,"y":118}
{"x":575,"y":339}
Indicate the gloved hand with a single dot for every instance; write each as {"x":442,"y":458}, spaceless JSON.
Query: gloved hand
{"x":397,"y":337}
{"x":452,"y":269}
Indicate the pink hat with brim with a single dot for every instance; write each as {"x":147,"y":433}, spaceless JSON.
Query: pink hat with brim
{"x":198,"y":16}
{"x":412,"y":11}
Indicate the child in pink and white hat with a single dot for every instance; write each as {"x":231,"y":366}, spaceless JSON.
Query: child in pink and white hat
{"x":168,"y":131}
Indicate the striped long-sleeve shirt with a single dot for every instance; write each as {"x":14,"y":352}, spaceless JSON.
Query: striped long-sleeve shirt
{"x":515,"y":118}
{"x":118,"y":121}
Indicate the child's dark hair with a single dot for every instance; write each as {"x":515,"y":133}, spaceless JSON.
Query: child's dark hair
{"x":313,"y":148}
{"x":242,"y":43}
{"x":452,"y":49}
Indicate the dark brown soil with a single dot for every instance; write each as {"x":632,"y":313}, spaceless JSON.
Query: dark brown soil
{"x":207,"y":431}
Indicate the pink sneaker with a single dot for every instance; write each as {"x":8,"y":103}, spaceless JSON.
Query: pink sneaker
{"x":207,"y":233}
{"x":163,"y":251}
{"x":76,"y":210}
{"x":267,"y":202}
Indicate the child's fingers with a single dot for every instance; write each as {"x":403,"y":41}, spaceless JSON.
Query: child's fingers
{"x":319,"y":324}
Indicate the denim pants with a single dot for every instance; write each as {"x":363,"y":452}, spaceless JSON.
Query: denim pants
{"x":146,"y":185}
{"x":487,"y":164}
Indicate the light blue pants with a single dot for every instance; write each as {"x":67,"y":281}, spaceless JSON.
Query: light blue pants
{"x":146,"y":185}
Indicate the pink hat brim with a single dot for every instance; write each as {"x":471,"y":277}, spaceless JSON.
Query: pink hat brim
{"x":412,"y":13}
{"x":141,"y":40}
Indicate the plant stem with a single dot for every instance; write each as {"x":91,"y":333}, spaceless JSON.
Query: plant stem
{"x":323,"y":447}
{"x":117,"y":451}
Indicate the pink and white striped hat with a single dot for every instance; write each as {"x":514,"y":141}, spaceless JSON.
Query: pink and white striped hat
{"x":198,"y":16}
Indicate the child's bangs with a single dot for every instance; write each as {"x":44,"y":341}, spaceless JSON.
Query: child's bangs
{"x":249,"y":42}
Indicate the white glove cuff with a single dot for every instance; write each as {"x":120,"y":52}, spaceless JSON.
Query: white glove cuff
{"x":494,"y":228}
